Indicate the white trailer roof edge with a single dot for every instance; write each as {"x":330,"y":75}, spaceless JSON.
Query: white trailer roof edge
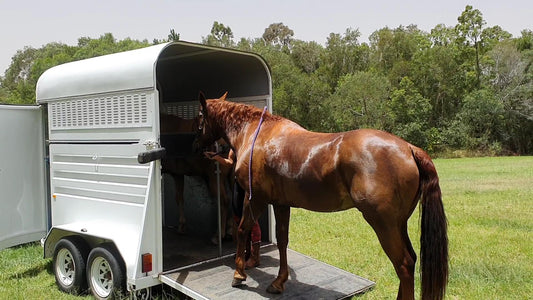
{"x":129,"y":70}
{"x":123,"y":71}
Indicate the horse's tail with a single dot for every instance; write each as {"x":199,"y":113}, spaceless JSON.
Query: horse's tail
{"x":433,"y":238}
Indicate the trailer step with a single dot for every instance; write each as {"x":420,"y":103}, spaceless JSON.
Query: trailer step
{"x":308,"y":279}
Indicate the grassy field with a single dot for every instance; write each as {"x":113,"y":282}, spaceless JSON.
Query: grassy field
{"x":488,"y":202}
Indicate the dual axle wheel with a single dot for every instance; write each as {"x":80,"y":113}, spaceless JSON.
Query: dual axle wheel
{"x":76,"y":269}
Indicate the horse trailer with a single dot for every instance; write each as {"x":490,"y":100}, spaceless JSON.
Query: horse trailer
{"x":81,"y":171}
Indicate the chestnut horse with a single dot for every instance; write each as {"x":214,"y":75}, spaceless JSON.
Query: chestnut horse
{"x":380,"y":174}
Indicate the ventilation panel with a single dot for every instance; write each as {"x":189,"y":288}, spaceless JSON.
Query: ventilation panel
{"x":116,"y":111}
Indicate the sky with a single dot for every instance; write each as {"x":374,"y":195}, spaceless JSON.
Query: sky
{"x":35,"y":22}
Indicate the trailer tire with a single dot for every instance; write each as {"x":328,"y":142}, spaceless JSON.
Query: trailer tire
{"x":70,"y":255}
{"x":106,"y":273}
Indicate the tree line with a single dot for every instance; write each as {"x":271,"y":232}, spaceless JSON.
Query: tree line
{"x":456,"y":90}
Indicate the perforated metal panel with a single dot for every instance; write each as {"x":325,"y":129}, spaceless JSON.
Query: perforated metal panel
{"x":185,"y":109}
{"x":121,"y":110}
{"x":189,"y":109}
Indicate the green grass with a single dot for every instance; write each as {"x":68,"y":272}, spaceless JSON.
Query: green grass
{"x":24,"y":274}
{"x":488,"y":203}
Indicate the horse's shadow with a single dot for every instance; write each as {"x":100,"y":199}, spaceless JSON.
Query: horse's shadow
{"x":294,"y":289}
{"x":301,"y":283}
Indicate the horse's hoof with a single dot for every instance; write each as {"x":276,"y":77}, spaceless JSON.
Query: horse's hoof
{"x":273,"y":290}
{"x":236,"y":282}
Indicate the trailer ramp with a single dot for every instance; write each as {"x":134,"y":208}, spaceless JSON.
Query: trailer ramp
{"x":308,"y":279}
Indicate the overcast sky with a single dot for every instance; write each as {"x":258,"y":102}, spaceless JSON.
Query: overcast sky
{"x":36,"y":22}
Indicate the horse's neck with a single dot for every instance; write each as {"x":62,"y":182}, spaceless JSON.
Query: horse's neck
{"x":234,"y":120}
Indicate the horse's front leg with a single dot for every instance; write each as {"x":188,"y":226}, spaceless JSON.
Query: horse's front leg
{"x":243,"y":230}
{"x":282,"y":214}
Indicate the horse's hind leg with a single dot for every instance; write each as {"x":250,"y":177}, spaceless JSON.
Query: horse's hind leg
{"x":224,"y":202}
{"x":179,"y":185}
{"x":395,"y":242}
{"x":282,"y":214}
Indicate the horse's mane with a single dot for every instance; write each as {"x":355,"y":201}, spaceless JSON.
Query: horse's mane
{"x":234,"y":116}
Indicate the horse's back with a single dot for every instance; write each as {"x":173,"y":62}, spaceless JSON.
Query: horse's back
{"x":332,"y":171}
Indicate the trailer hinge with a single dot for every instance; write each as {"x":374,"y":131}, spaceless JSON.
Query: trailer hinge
{"x":150,"y":145}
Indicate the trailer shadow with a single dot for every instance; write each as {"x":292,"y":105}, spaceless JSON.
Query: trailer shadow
{"x":34,"y":270}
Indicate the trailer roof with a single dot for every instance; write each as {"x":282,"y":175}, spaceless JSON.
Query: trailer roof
{"x":130,"y":70}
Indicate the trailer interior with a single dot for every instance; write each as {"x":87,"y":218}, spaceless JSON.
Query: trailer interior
{"x":182,"y":72}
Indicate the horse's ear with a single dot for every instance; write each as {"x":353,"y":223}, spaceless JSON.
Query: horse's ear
{"x":224,"y":96}
{"x":201,"y":98}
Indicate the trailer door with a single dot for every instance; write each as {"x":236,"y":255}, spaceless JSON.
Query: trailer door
{"x":22,"y":175}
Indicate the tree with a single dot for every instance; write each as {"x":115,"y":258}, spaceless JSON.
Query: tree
{"x":359,"y":101}
{"x":27,"y":66}
{"x":393,"y":50}
{"x":469,"y":30}
{"x":279,"y":35}
{"x":306,"y":55}
{"x":105,"y":44}
{"x":245,"y":44}
{"x":343,"y":55}
{"x":492,"y":36}
{"x":481,"y":120}
{"x":525,"y":41}
{"x":173,"y":36}
{"x":441,"y":35}
{"x":437,"y":76}
{"x":410,"y":113}
{"x":509,"y":75}
{"x":16,"y":84}
{"x":220,"y":36}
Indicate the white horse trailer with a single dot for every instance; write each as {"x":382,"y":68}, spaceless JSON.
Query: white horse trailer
{"x":71,"y":175}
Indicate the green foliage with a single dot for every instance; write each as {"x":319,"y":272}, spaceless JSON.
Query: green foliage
{"x":435,"y":72}
{"x":220,"y":36}
{"x":27,"y":66}
{"x":525,"y":42}
{"x":307,"y":55}
{"x":278,"y":35}
{"x":18,"y":84}
{"x":481,"y":121}
{"x":438,"y":90}
{"x":410,"y":113}
{"x":359,"y":101}
{"x":343,"y":55}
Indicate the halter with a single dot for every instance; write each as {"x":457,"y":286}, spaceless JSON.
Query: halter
{"x":252,"y":153}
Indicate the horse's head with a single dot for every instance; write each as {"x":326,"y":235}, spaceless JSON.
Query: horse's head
{"x":207,"y":131}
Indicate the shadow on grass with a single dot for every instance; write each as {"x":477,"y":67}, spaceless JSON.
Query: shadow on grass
{"x":33,"y":271}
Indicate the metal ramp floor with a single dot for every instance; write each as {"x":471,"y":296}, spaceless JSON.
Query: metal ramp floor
{"x":308,"y":279}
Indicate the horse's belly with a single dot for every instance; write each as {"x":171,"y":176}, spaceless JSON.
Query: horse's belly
{"x":316,"y":196}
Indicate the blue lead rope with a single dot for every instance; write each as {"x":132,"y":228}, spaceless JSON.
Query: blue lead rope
{"x":252,"y":153}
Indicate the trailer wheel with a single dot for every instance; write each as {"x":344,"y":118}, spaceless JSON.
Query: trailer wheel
{"x":105,"y":273}
{"x":69,"y":265}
